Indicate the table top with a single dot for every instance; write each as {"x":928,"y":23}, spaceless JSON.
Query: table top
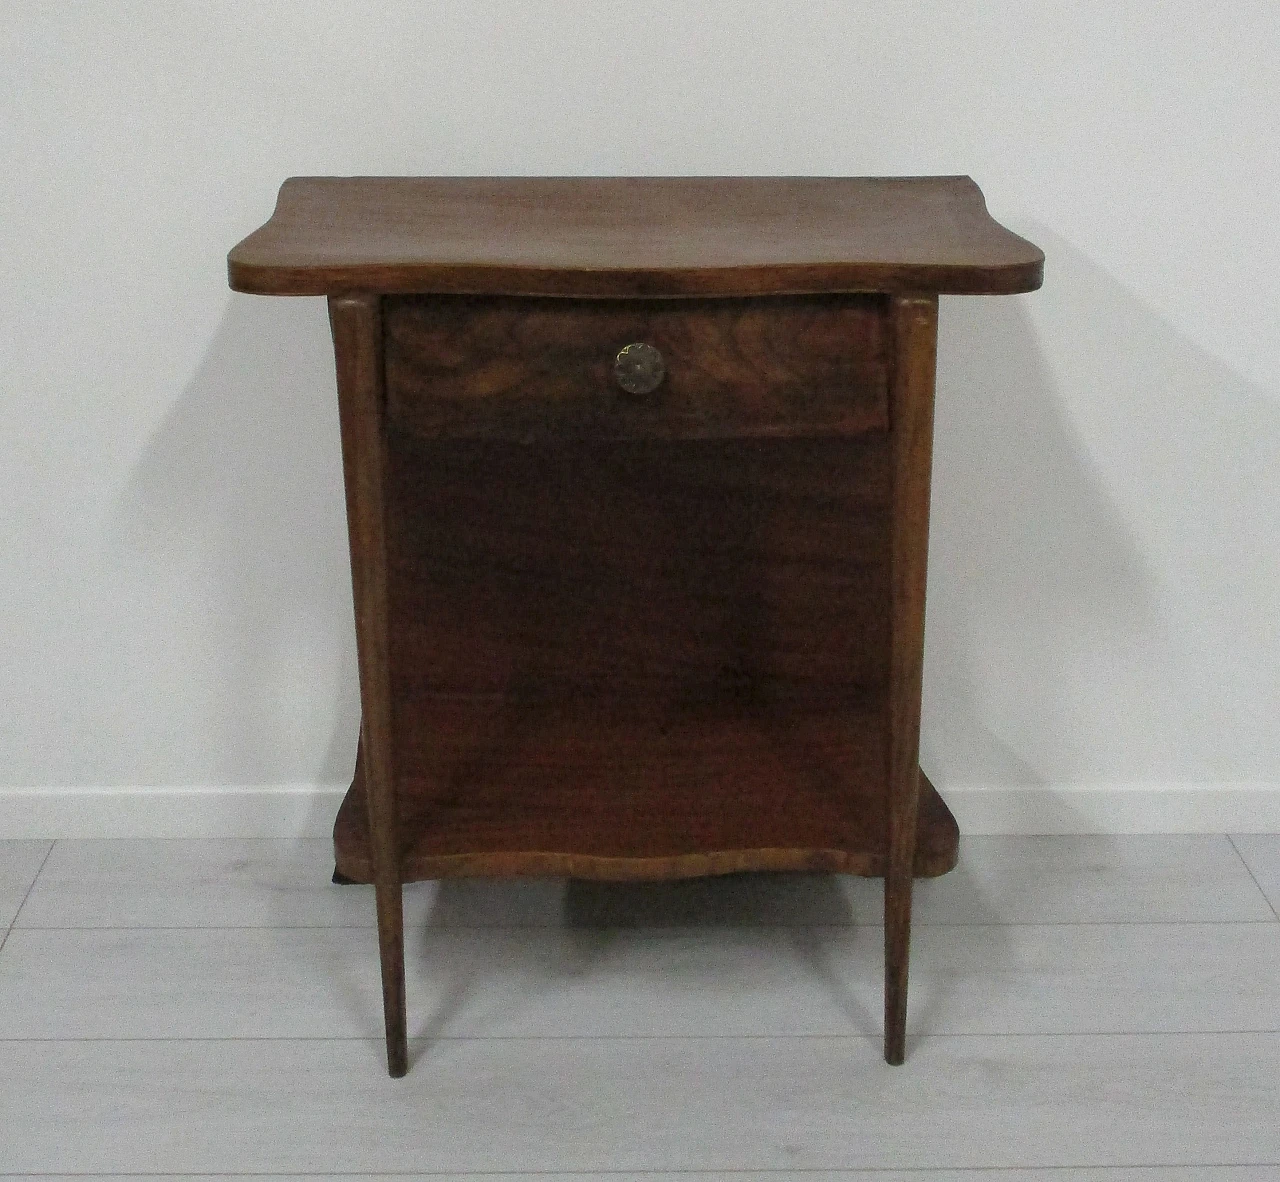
{"x":633,"y":236}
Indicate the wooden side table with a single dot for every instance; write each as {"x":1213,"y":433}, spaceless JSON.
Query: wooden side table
{"x":637,"y":480}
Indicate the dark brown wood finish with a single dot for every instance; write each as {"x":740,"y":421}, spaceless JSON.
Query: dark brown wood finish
{"x":637,"y":636}
{"x":537,"y":369}
{"x":633,"y":236}
{"x":356,"y":321}
{"x":915,"y":331}
{"x":669,"y":574}
{"x":641,"y":659}
{"x":487,"y":833}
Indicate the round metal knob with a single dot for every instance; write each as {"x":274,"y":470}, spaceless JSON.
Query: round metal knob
{"x":639,"y":368}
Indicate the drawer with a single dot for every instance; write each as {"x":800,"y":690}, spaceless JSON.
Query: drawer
{"x":527,"y":369}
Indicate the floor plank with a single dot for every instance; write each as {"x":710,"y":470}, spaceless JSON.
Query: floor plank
{"x":1194,"y":878}
{"x":19,"y":862}
{"x":323,"y":983}
{"x":1261,"y":853}
{"x":1113,"y":1174}
{"x":650,"y":1104}
{"x":1096,"y":978}
{"x":248,"y":882}
{"x":1181,"y":878}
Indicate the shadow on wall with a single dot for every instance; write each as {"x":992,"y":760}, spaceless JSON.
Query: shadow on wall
{"x":242,"y":486}
{"x":1103,"y":564}
{"x":1104,"y":550}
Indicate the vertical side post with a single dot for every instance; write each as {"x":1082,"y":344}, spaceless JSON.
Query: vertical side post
{"x":356,"y":322}
{"x":915,"y":332}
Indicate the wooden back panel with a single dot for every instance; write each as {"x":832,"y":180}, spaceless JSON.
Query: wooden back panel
{"x":640,"y":658}
{"x":659,"y":573}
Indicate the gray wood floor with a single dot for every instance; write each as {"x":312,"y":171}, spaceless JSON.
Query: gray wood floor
{"x":1083,"y":1010}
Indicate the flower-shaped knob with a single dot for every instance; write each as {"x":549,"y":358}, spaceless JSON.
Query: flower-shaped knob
{"x":639,"y":368}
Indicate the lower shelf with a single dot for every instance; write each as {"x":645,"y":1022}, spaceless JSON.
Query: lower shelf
{"x":727,"y":795}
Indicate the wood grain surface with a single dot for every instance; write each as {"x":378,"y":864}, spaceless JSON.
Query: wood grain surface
{"x":540,"y":369}
{"x":915,"y":335}
{"x":642,"y":659}
{"x":632,"y":236}
{"x":500,"y":828}
{"x":666,"y":574}
{"x":356,"y":322}
{"x":637,"y":636}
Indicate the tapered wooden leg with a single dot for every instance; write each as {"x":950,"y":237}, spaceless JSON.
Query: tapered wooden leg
{"x":356,"y":320}
{"x":897,"y":947}
{"x":915,"y":327}
{"x":391,"y":948}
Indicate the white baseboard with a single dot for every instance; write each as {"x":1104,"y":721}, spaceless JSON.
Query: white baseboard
{"x":307,"y":810}
{"x":1156,"y":807}
{"x":280,"y":810}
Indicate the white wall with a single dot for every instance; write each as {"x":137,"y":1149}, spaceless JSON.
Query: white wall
{"x":1103,"y":648}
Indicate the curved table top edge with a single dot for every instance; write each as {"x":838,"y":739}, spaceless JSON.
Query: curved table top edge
{"x":401,"y":235}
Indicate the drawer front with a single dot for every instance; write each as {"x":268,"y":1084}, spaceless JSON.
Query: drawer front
{"x":525,"y":369}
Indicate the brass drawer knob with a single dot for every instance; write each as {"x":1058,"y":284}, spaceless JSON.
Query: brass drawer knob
{"x":639,"y":368}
